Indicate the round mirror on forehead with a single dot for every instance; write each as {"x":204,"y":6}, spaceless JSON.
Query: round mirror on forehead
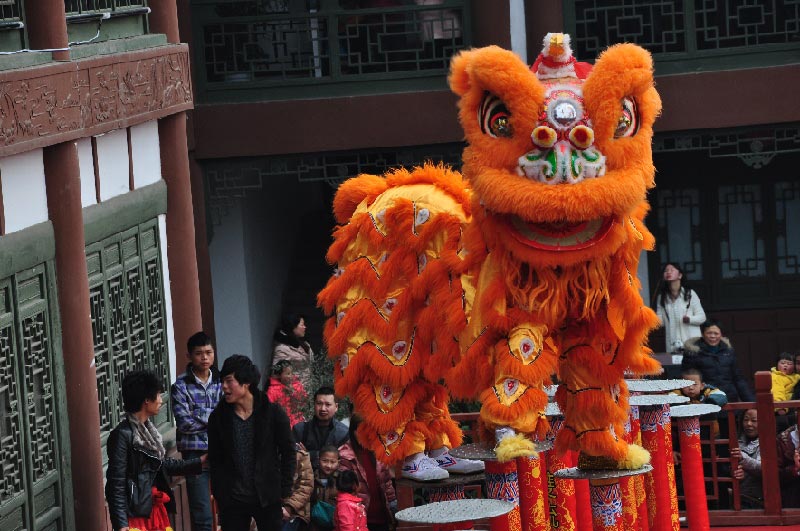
{"x":564,"y":113}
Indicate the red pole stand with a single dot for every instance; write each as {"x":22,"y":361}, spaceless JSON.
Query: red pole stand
{"x":638,"y":481}
{"x":606,"y":505}
{"x":583,"y":502}
{"x":562,"y":495}
{"x":657,"y":482}
{"x":605,"y":495}
{"x":532,"y":493}
{"x":694,"y":485}
{"x":627,"y":485}
{"x":666,"y":428}
{"x":501,"y":484}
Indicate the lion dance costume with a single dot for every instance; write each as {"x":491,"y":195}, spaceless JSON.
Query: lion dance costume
{"x":484,"y":285}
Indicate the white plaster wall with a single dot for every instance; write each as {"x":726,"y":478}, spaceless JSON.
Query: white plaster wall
{"x":112,"y":159}
{"x":272,"y":222}
{"x":146,"y":154}
{"x":519,"y":38}
{"x":162,"y":231}
{"x":251,"y":253}
{"x":86,"y":165}
{"x":24,"y":191}
{"x":231,"y":300}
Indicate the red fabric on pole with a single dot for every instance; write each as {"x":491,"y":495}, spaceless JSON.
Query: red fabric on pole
{"x":641,"y":497}
{"x":666,"y":420}
{"x":627,"y":485}
{"x":657,"y":481}
{"x":694,"y":485}
{"x":532,"y":478}
{"x":583,"y":503}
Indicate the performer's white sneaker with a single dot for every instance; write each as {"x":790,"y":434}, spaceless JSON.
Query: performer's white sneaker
{"x":456,"y":465}
{"x":420,"y":467}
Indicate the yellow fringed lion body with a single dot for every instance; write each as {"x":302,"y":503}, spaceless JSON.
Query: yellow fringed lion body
{"x":522,"y":268}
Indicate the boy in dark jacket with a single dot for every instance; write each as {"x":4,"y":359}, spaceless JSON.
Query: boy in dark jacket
{"x":250,"y":450}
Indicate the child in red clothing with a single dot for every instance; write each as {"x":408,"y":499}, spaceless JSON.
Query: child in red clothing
{"x":286,"y":390}
{"x":350,"y":513}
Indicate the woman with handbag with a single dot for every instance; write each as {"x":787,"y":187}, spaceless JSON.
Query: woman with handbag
{"x":137,"y":490}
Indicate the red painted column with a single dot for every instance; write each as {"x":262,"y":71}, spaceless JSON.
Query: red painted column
{"x":164,"y":19}
{"x":62,"y":179}
{"x":184,"y":283}
{"x":46,"y":26}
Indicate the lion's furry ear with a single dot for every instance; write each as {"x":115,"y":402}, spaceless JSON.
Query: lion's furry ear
{"x":353,"y":191}
{"x":459,"y":77}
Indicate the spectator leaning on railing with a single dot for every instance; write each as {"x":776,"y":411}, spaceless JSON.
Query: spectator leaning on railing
{"x":714,"y":356}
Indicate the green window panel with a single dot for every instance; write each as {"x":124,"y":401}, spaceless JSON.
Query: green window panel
{"x":296,"y":48}
{"x":12,"y":28}
{"x":689,"y":35}
{"x":127,"y":18}
{"x":128,"y":314}
{"x":95,"y":6}
{"x":35,"y":490}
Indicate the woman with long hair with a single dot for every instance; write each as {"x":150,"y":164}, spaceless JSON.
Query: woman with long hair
{"x":289,"y":343}
{"x":678,"y":307}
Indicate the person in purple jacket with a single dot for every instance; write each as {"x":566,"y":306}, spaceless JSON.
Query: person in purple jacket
{"x":195,"y":394}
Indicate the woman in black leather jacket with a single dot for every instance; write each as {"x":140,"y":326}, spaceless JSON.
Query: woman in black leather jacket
{"x":137,"y":489}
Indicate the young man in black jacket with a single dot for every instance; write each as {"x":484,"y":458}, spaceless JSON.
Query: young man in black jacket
{"x":250,"y":451}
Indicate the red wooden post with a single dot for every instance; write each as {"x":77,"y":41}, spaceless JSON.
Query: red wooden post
{"x":766,"y":432}
{"x":694,"y":485}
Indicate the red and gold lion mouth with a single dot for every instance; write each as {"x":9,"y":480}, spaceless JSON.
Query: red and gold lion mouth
{"x":560,"y":236}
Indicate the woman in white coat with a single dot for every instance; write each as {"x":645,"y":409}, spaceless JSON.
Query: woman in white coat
{"x":290,"y":344}
{"x":679,"y":308}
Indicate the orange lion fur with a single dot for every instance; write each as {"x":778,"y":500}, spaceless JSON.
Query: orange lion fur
{"x":467,"y":263}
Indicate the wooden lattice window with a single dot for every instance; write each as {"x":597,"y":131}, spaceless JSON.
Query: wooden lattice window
{"x":128,"y":312}
{"x":33,"y":490}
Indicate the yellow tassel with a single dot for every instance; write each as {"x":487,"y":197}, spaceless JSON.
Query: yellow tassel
{"x":514,"y":446}
{"x":636,"y":457}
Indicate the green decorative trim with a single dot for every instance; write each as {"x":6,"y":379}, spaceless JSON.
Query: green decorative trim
{"x":124,"y":211}
{"x":60,"y":394}
{"x":117,"y":45}
{"x":26,"y":248}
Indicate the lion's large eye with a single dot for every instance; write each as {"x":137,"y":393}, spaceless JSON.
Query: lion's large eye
{"x":494,"y":117}
{"x":628,"y":123}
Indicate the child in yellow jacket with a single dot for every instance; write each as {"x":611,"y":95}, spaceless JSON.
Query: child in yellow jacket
{"x":784,"y":379}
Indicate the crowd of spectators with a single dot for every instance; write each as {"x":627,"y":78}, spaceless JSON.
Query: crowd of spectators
{"x":264,"y":461}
